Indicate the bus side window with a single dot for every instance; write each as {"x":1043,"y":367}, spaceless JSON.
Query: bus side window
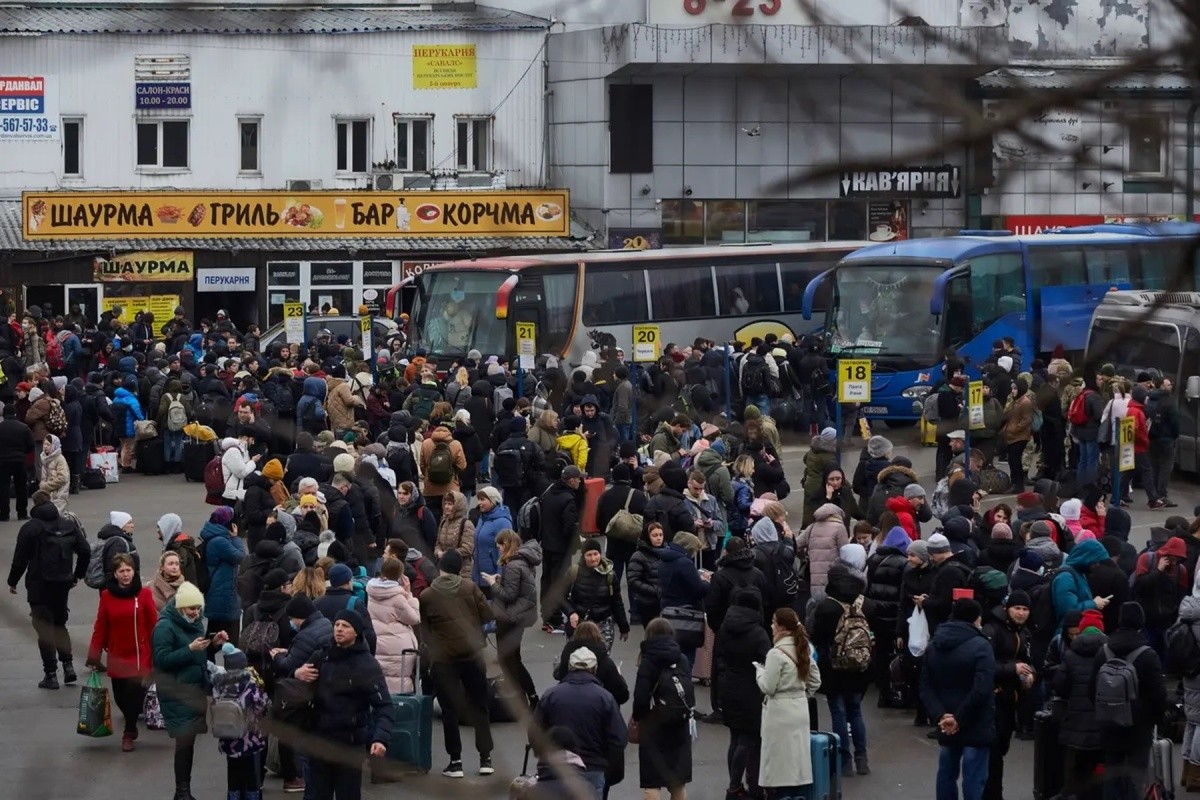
{"x":997,"y":288}
{"x":1163,"y":268}
{"x":559,"y":291}
{"x":1053,"y":266}
{"x":796,"y":276}
{"x":612,"y":296}
{"x":1108,"y":264}
{"x":682,"y":293}
{"x":747,"y":289}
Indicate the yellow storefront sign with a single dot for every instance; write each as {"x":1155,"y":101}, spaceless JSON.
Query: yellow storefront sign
{"x":178,"y":265}
{"x":161,"y":305}
{"x":444,"y":66}
{"x":192,"y":215}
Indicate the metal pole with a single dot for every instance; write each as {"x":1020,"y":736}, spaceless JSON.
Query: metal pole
{"x":633,"y":396}
{"x":728,"y":389}
{"x":966,"y":447}
{"x":520,"y":378}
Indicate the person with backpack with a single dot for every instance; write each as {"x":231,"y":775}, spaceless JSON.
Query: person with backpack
{"x":519,"y":466}
{"x":1130,"y":698}
{"x":174,"y":412}
{"x":1070,"y":666}
{"x":222,"y":552}
{"x":593,"y":595}
{"x":841,"y":632}
{"x":115,"y":537}
{"x":347,"y":591}
{"x":663,"y":707}
{"x":558,"y":531}
{"x":52,"y":554}
{"x":124,"y":623}
{"x":311,"y":416}
{"x":1084,"y":414}
{"x":1160,"y":589}
{"x":238,"y":702}
{"x":424,"y":397}
{"x":442,"y":460}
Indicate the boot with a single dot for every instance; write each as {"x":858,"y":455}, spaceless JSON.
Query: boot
{"x":255,"y":795}
{"x":50,"y":681}
{"x":183,"y":791}
{"x":74,"y":489}
{"x":860,"y":764}
{"x":69,"y":676}
{"x":235,"y":795}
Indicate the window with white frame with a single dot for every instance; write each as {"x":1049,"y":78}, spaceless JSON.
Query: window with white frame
{"x":72,"y":147}
{"x":162,"y":143}
{"x":1148,"y":146}
{"x":353,"y":145}
{"x":249,"y":129}
{"x":414,"y":143}
{"x":474,"y":144}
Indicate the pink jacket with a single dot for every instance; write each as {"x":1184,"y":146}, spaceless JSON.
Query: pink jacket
{"x":394,"y":613}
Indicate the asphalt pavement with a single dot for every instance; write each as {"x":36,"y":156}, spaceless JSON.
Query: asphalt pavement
{"x":41,"y":756}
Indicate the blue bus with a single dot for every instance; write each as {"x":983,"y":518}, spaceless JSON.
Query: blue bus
{"x":904,"y":304}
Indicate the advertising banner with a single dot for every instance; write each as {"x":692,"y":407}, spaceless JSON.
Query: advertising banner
{"x":28,"y":108}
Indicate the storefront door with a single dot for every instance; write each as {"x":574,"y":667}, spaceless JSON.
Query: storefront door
{"x":55,"y":299}
{"x":342,"y":285}
{"x":87,"y":297}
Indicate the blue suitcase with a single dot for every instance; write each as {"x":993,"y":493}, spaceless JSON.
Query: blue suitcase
{"x":826,"y":769}
{"x":412,"y":734}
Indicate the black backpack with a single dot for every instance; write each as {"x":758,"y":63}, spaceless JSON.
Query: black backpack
{"x":674,"y":698}
{"x":783,"y":578}
{"x":1043,"y":620}
{"x":754,"y":378}
{"x":1182,"y":649}
{"x":56,"y":553}
{"x":509,"y":465}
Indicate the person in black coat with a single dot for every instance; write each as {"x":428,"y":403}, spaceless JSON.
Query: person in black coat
{"x":668,"y":506}
{"x":1071,"y":685}
{"x":1127,"y":750}
{"x":352,"y":708}
{"x":741,"y":642}
{"x":96,"y":410}
{"x":559,"y":534}
{"x":1006,"y":630}
{"x":257,"y":505}
{"x":885,"y":580}
{"x":340,"y":595}
{"x":1106,"y":579}
{"x":307,"y":463}
{"x":473,"y":449}
{"x":645,"y":592}
{"x":594,"y":594}
{"x":1002,"y":550}
{"x":72,"y":440}
{"x":1117,"y":523}
{"x":735,"y":571}
{"x":665,"y":750}
{"x":613,"y":500}
{"x":843,"y":689}
{"x":16,"y":444}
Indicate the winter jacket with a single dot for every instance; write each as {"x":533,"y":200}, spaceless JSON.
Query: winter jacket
{"x":514,"y":597}
{"x":885,"y":578}
{"x":822,"y":541}
{"x":915,"y":582}
{"x":904,"y":513}
{"x":843,"y":589}
{"x":415,"y":524}
{"x":223,"y":555}
{"x":735,"y":571}
{"x":1010,"y":646}
{"x":559,"y":519}
{"x":576,"y":447}
{"x":669,"y":508}
{"x":679,"y":580}
{"x":1018,"y":420}
{"x":453,"y":611}
{"x":717,"y":479}
{"x":56,"y":478}
{"x":664,"y":441}
{"x":437,"y":490}
{"x":1158,"y":592}
{"x":891,"y":483}
{"x":125,"y":406}
{"x":236,"y":466}
{"x":951,"y":574}
{"x":116,"y":541}
{"x":611,"y":501}
{"x":959,"y":679}
{"x":1152,"y":692}
{"x":1072,"y":681}
{"x":866,"y":476}
{"x":740,"y":642}
{"x":1106,"y":579}
{"x":581,"y":703}
{"x":473,"y":450}
{"x":487,"y":554}
{"x":185,"y":668}
{"x":314,"y":635}
{"x":353,"y":705}
{"x":606,"y":669}
{"x":816,"y":462}
{"x":124,"y":626}
{"x":340,"y":403}
{"x":257,"y":504}
{"x":594,"y":595}
{"x":455,"y":531}
{"x":642,"y":576}
{"x":1000,"y":554}
{"x":1070,"y":588}
{"x":395,"y":615}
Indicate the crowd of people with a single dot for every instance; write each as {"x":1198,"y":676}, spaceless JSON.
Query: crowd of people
{"x":376,"y":524}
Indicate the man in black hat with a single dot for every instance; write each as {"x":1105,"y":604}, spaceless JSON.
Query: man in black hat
{"x":559,"y":523}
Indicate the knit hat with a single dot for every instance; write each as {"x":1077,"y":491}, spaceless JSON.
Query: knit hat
{"x":673,"y":476}
{"x":273,"y":470}
{"x":221,"y":515}
{"x":188,"y":595}
{"x":343,"y":463}
{"x":1017,"y":597}
{"x":351,"y":616}
{"x":234,"y":658}
{"x":119,"y":519}
{"x":966,"y":610}
{"x":572,"y":471}
{"x":1092,"y":618}
{"x":340,"y":575}
{"x":913,"y":490}
{"x":274,"y":579}
{"x":491,"y":493}
{"x":1028,"y":500}
{"x":854,"y":555}
{"x":325,"y":438}
{"x":451,"y":562}
{"x":474,"y":355}
{"x":518,"y":424}
{"x":592,"y":544}
{"x":920,"y":549}
{"x":309,"y":501}
{"x":276,"y":532}
{"x":1002,"y":530}
{"x":582,"y":659}
{"x":1108,"y":371}
{"x":898,"y":538}
{"x":1112,"y":546}
{"x":878,"y":447}
{"x":1032,"y":560}
{"x":1131,"y":616}
{"x":902,"y":461}
{"x":1071,"y":509}
{"x":1072,"y":618}
{"x":939,"y":544}
{"x":751,"y":412}
{"x":1041,"y":530}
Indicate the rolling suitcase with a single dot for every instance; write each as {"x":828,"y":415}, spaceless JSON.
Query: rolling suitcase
{"x":412,"y":733}
{"x":702,"y":669}
{"x":196,"y":456}
{"x":1048,"y":774}
{"x":928,"y":433}
{"x":1162,"y":761}
{"x":150,"y":458}
{"x":826,"y":771}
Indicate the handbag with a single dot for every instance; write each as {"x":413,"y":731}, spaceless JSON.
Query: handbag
{"x":688,"y":624}
{"x":635,"y":731}
{"x":95,"y":711}
{"x":293,"y":700}
{"x":145,"y":429}
{"x":624,"y":526}
{"x":152,"y":711}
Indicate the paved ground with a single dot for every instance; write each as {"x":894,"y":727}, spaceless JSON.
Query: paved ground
{"x":41,"y":757}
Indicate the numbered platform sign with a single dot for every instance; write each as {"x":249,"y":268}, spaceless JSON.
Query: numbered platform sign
{"x":647,"y":344}
{"x":854,"y":380}
{"x":293,"y":322}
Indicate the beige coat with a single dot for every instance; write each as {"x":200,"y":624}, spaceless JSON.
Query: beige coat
{"x":786,"y":755}
{"x":436,"y":490}
{"x":340,"y":403}
{"x":56,"y":479}
{"x":457,"y":532}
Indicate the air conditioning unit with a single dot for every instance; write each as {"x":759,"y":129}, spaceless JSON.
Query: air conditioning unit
{"x":397,"y":181}
{"x":303,"y":185}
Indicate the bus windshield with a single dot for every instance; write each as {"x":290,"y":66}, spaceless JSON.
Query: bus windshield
{"x":455,"y":312}
{"x":884,"y":310}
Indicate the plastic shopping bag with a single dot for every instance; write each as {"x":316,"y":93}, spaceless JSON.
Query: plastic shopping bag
{"x":95,"y":713}
{"x":918,"y":633}
{"x":152,"y":711}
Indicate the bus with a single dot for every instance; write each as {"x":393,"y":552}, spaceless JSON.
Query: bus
{"x":1137,"y":331}
{"x":904,"y":304}
{"x":580,"y":301}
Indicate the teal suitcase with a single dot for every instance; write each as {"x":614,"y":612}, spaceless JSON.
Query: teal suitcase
{"x":412,"y":733}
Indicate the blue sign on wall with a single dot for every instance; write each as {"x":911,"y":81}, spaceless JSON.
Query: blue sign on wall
{"x":163,"y":94}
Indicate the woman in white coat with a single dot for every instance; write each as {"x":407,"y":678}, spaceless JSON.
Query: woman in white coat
{"x":395,"y":614}
{"x":236,"y":465}
{"x":787,"y":680}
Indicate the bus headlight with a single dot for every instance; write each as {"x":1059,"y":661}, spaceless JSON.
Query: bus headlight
{"x":915,"y":392}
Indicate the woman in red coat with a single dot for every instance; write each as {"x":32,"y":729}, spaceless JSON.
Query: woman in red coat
{"x":124,"y":624}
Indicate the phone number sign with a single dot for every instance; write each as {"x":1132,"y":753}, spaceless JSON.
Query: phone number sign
{"x":28,"y":108}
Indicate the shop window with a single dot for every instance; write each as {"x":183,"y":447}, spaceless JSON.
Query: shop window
{"x":631,"y":128}
{"x":162,"y":144}
{"x":473,"y":144}
{"x":787,"y":221}
{"x":353,"y":145}
{"x":747,"y":289}
{"x":414,"y":143}
{"x":248,"y":144}
{"x":997,"y":288}
{"x":1053,"y":266}
{"x":72,"y":147}
{"x":847,"y":220}
{"x":613,"y":295}
{"x":725,"y":221}
{"x":685,"y":293}
{"x":683,"y":222}
{"x":1147,"y":142}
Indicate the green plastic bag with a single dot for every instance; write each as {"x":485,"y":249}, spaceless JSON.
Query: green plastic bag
{"x":95,"y":711}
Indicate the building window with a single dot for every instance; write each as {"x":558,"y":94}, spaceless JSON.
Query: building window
{"x":353,"y":145}
{"x":474,"y":144}
{"x":414,"y":143}
{"x":72,"y":146}
{"x":631,"y":128}
{"x":1148,"y":143}
{"x":162,"y":144}
{"x":248,"y":143}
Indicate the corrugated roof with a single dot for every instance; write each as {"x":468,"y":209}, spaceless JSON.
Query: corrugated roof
{"x":197,"y":20}
{"x":11,"y":240}
{"x":1050,"y":77}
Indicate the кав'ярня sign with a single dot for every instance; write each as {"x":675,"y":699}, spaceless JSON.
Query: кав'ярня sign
{"x":164,"y":215}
